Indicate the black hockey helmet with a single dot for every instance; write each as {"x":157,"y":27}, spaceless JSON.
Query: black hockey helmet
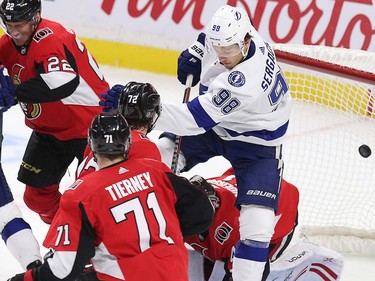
{"x":19,"y":10}
{"x":199,"y":182}
{"x":109,"y":134}
{"x":140,"y":102}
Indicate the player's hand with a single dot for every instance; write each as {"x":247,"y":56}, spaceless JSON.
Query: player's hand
{"x":189,"y":61}
{"x":110,"y":101}
{"x":7,"y":90}
{"x":28,"y":275}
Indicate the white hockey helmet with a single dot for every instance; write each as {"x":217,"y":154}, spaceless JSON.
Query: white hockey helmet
{"x":229,"y":25}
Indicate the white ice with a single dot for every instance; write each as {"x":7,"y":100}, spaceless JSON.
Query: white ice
{"x":16,"y":135}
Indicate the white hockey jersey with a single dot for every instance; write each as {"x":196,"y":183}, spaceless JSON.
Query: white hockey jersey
{"x":249,"y":103}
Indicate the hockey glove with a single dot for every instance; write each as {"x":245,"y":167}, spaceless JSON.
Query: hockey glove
{"x":26,"y":276}
{"x":7,"y":90}
{"x":110,"y":101}
{"x":189,"y":61}
{"x":34,"y":264}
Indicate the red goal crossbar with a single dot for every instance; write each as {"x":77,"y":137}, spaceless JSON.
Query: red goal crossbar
{"x":328,"y":67}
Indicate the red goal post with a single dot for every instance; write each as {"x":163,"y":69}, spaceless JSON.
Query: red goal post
{"x":333,"y":92}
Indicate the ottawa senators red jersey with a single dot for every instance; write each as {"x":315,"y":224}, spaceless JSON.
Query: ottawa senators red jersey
{"x":142,"y":147}
{"x":220,"y":240}
{"x":58,"y":82}
{"x":130,"y":219}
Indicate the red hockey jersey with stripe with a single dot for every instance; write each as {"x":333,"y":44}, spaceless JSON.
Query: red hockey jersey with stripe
{"x":142,"y":147}
{"x":57,"y":81}
{"x":129,"y":219}
{"x":223,"y":234}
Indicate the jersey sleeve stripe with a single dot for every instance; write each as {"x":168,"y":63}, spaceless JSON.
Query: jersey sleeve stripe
{"x":262,"y":134}
{"x":201,"y":117}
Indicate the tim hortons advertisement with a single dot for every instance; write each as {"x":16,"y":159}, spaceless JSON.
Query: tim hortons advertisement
{"x":174,"y":24}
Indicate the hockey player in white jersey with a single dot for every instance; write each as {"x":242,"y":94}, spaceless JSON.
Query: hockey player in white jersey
{"x":15,"y":231}
{"x":242,"y":114}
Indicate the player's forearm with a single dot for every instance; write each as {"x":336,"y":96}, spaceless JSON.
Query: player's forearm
{"x":48,"y":87}
{"x":177,"y":119}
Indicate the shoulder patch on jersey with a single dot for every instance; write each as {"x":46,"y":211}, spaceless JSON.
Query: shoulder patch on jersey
{"x":222,"y":233}
{"x":42,"y":33}
{"x":236,"y":79}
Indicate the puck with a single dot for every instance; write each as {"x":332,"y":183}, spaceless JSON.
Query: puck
{"x":364,"y":150}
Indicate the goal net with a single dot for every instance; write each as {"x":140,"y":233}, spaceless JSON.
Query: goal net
{"x":333,"y":92}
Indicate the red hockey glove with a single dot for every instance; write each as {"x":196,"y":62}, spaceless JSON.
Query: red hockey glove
{"x":26,"y":276}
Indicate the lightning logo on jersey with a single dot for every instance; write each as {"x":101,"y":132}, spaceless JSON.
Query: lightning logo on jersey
{"x":236,"y":79}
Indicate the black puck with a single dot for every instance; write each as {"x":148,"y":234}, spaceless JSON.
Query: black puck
{"x":364,"y":151}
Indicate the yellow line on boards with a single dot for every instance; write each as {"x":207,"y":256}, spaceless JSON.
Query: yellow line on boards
{"x":133,"y":56}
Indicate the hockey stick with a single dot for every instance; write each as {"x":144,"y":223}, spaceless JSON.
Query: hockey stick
{"x":177,"y":143}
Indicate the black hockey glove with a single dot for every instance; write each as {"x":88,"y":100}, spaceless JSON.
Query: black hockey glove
{"x":28,"y":275}
{"x":30,"y":267}
{"x":34,"y":264}
{"x":201,"y":183}
{"x":18,"y":277}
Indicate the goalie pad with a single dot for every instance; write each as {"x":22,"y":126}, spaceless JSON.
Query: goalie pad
{"x":306,"y":261}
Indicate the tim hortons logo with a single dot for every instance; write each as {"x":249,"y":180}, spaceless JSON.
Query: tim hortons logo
{"x":288,"y":13}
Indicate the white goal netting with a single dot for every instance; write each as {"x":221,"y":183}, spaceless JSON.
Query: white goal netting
{"x":333,"y":114}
